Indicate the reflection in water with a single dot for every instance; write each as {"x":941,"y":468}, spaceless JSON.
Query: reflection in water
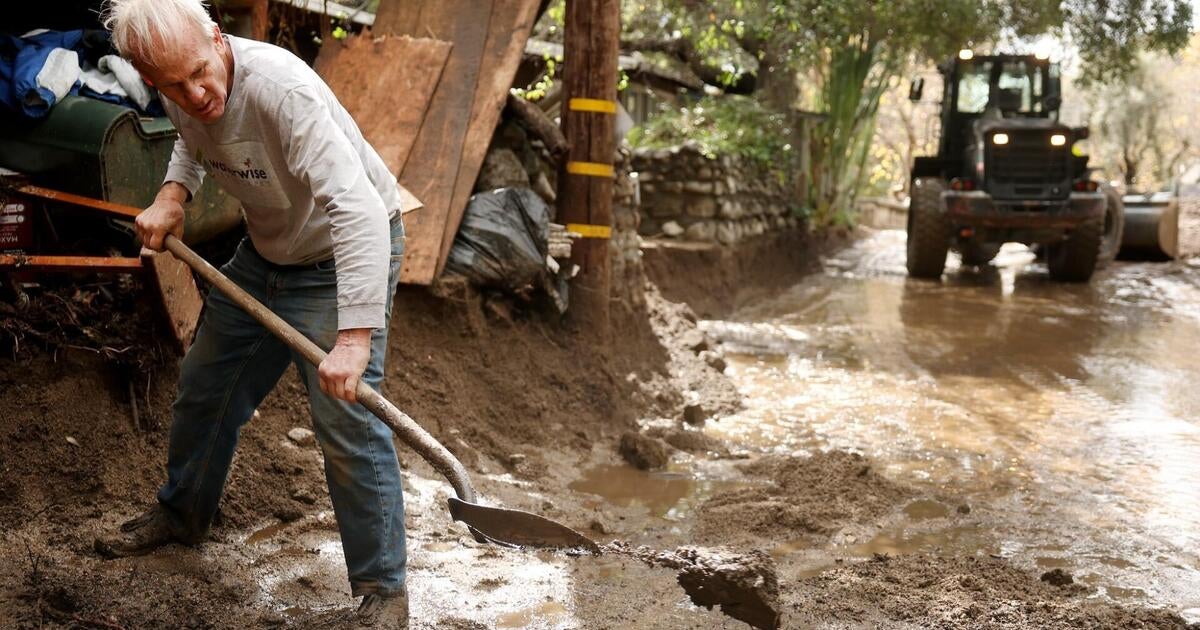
{"x":668,"y":495}
{"x":547,"y":613}
{"x":1068,"y":413}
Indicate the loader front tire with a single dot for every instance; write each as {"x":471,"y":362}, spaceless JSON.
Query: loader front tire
{"x":928,"y":230}
{"x":1074,"y":259}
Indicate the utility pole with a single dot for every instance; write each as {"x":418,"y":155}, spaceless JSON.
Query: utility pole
{"x":585,"y":183}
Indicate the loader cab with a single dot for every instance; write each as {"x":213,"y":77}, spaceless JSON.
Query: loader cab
{"x":1000,"y":86}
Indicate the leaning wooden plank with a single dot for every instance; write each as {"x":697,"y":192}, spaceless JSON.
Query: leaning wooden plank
{"x":433,"y":165}
{"x":386,"y":83}
{"x":512,"y":23}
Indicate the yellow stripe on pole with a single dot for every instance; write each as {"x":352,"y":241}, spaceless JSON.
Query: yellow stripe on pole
{"x":593,"y":169}
{"x":590,"y":231}
{"x":592,"y":105}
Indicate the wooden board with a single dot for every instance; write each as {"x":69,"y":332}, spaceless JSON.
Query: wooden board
{"x":488,"y":37}
{"x":512,"y":23}
{"x":386,"y":83}
{"x":171,"y":281}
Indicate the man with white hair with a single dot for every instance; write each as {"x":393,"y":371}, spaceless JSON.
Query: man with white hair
{"x":323,"y":250}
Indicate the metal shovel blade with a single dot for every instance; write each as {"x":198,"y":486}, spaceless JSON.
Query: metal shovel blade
{"x":519,"y":529}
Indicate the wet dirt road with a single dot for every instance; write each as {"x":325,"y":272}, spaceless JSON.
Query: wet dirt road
{"x":1064,"y":418}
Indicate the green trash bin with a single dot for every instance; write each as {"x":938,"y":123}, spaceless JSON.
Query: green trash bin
{"x":106,"y":151}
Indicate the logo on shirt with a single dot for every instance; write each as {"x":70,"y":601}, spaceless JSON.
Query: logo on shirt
{"x":247,"y":173}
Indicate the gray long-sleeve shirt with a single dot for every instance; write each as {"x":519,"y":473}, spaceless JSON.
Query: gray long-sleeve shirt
{"x":310,"y":185}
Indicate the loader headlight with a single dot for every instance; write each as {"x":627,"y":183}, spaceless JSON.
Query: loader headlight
{"x":966,"y":54}
{"x":1058,"y":140}
{"x":1000,"y":138}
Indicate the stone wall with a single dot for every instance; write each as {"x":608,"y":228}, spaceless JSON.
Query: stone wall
{"x":688,"y":196}
{"x":625,"y":246}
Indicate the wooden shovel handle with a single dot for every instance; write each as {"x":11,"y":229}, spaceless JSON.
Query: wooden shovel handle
{"x":403,"y":426}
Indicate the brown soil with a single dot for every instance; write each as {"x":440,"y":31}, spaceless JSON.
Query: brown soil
{"x":714,"y":280}
{"x":526,"y":402}
{"x":921,"y":591}
{"x":808,"y":498}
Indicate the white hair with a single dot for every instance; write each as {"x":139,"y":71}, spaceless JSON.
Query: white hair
{"x":141,"y":27}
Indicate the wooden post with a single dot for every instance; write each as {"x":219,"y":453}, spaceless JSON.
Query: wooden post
{"x":585,"y":181}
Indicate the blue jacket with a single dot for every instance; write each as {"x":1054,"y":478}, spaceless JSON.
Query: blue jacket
{"x":21,"y":60}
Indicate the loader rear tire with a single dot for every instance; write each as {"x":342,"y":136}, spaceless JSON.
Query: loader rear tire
{"x":1074,"y":259}
{"x":928,"y":230}
{"x":1114,"y":226}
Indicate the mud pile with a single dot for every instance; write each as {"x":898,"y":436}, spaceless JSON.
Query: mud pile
{"x":805,"y":499}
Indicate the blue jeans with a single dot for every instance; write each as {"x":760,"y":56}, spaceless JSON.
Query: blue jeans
{"x":235,"y":362}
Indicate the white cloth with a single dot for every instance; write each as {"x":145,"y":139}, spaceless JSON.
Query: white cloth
{"x":59,"y":73}
{"x":310,"y":184}
{"x":114,"y":75}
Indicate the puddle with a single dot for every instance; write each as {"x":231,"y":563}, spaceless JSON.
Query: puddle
{"x":542,"y":614}
{"x":926,"y":509}
{"x":964,"y":541}
{"x":266,"y":533}
{"x":1065,"y":416}
{"x":671,"y":495}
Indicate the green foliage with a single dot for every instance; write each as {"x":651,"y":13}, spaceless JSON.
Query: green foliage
{"x":541,"y":87}
{"x":727,"y":125}
{"x":838,"y":57}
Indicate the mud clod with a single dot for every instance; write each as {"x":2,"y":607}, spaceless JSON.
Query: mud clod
{"x":643,"y":452}
{"x":1058,"y":577}
{"x":744,"y":585}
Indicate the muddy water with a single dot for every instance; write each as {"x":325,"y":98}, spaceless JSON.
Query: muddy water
{"x":1062,"y":420}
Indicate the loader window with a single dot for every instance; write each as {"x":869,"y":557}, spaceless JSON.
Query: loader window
{"x":1024,"y":84}
{"x":974,"y":87}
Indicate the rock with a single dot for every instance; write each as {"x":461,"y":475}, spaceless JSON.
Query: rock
{"x":694,"y":340}
{"x":516,"y":459}
{"x":700,"y":188}
{"x":694,"y":414}
{"x":727,"y":233}
{"x":302,"y":437}
{"x":288,"y":514}
{"x":643,"y":452}
{"x":964,"y":509}
{"x":663,"y":206}
{"x":702,"y":207}
{"x":600,"y":528}
{"x":714,"y":360}
{"x":702,"y":232}
{"x":688,"y":440}
{"x":732,"y":209}
{"x":501,"y":169}
{"x":72,"y":441}
{"x":672,"y":229}
{"x":304,"y":496}
{"x":1058,"y":577}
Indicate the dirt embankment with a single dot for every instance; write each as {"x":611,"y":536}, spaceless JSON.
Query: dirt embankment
{"x":714,"y":280}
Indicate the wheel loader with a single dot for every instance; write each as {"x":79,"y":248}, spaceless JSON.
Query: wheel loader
{"x":1007,"y":170}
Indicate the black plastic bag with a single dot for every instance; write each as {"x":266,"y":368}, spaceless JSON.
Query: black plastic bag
{"x":502,"y":241}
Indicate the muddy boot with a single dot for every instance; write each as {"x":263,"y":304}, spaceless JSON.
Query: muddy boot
{"x":384,"y":612}
{"x":138,"y":536}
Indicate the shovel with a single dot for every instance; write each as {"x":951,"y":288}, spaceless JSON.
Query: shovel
{"x":506,"y":527}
